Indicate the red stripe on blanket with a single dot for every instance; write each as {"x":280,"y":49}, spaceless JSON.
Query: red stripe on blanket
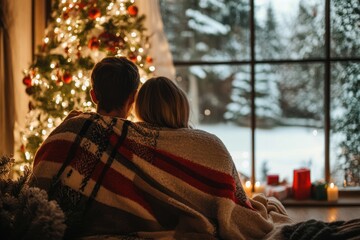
{"x":53,"y":151}
{"x":122,"y":186}
{"x":205,"y":179}
{"x":169,"y":165}
{"x":56,"y":151}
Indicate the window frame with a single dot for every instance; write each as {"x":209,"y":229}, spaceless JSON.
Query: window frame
{"x":326,"y":61}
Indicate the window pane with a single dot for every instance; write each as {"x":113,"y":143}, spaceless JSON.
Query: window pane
{"x":207,"y":30}
{"x":345,"y":28}
{"x":289,"y":116}
{"x":289,"y":29}
{"x":210,"y":90}
{"x":345,"y":114}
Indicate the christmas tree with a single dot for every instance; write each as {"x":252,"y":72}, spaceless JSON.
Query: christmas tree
{"x":79,"y":34}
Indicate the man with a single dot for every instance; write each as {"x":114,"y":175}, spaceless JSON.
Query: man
{"x":135,"y":180}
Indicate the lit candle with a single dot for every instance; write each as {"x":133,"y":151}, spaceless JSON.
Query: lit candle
{"x":248,"y":188}
{"x":259,"y":188}
{"x":332,"y":192}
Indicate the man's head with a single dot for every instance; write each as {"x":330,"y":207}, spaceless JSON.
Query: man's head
{"x":114,"y":84}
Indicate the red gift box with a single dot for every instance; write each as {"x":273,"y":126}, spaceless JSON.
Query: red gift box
{"x":272,"y":179}
{"x":301,"y":184}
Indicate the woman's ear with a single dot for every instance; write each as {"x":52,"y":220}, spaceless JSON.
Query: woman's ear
{"x":93,"y":96}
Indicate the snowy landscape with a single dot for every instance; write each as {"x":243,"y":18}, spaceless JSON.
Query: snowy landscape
{"x":289,"y":96}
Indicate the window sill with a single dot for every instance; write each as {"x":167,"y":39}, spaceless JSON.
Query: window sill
{"x":346,"y":198}
{"x":344,"y":201}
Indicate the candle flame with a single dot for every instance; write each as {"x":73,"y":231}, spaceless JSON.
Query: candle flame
{"x":332,"y":185}
{"x":248,"y":184}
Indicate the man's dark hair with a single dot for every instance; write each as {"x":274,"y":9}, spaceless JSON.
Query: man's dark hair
{"x":114,"y":79}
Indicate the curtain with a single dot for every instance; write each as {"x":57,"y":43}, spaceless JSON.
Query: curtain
{"x":159,"y":45}
{"x":15,"y":55}
{"x":6,"y":84}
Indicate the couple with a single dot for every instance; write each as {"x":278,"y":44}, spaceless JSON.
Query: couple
{"x":153,"y":179}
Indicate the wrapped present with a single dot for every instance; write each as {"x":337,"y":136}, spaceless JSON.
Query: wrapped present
{"x":301,"y":184}
{"x":272,"y":179}
{"x":318,"y":191}
{"x":280,"y":192}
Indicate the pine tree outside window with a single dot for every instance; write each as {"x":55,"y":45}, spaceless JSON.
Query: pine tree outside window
{"x":277,"y":81}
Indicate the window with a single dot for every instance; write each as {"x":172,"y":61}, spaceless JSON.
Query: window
{"x":277,"y":81}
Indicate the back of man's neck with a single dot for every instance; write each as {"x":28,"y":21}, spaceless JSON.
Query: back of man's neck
{"x":113,"y":113}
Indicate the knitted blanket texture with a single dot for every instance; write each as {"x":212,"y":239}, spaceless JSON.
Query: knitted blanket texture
{"x":134,"y":180}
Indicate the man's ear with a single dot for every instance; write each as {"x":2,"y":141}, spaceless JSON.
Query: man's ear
{"x":132,"y":97}
{"x":93,"y":96}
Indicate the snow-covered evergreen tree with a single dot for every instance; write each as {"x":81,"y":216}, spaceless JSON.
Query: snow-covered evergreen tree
{"x":212,"y":31}
{"x":268,"y":112}
{"x":346,"y":89}
{"x":301,"y":85}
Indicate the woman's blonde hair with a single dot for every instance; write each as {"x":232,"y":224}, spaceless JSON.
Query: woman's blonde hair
{"x":161,"y":102}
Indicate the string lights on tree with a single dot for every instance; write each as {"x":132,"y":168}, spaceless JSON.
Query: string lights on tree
{"x":79,"y":34}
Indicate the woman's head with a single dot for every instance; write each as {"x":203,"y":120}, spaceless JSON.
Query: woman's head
{"x":161,"y":102}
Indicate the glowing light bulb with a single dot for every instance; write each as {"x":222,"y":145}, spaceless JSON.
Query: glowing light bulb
{"x":27,"y":155}
{"x":22,"y":168}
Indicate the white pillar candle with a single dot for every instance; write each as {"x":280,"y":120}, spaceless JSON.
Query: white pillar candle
{"x":332,"y":192}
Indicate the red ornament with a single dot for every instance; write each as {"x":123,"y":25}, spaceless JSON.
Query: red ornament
{"x":22,"y":148}
{"x":67,"y":77}
{"x":94,"y":43}
{"x":133,"y":10}
{"x":27,"y":81}
{"x":66,"y":15}
{"x":149,"y":59}
{"x":111,"y":42}
{"x":94,"y":13}
{"x":132,"y":57}
{"x":79,"y":6}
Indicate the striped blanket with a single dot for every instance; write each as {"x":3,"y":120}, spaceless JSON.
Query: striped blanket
{"x":113,"y":177}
